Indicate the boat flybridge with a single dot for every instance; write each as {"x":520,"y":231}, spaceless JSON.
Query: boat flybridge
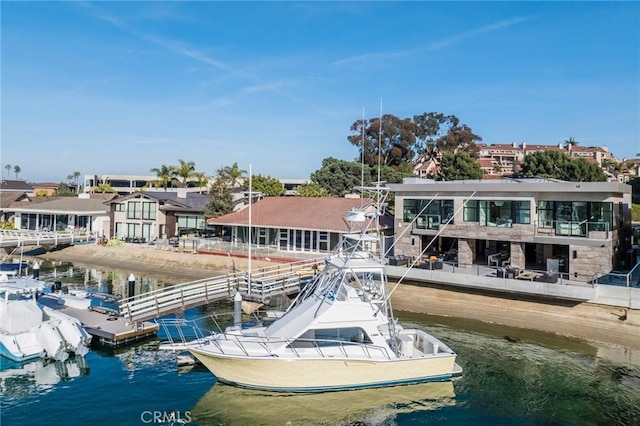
{"x":29,"y":330}
{"x":338,"y":333}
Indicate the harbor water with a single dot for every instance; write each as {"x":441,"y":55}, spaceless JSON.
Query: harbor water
{"x":511,"y":376}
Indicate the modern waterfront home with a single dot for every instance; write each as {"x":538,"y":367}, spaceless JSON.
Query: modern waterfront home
{"x":581,"y":228}
{"x":144,"y":216}
{"x":291,"y":224}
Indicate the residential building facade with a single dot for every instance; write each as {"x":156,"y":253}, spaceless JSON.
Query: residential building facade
{"x":584,"y":226}
{"x":82,"y":214}
{"x":290,"y":224}
{"x":148,"y":215}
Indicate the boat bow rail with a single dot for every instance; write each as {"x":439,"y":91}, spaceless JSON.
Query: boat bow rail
{"x":265,"y":283}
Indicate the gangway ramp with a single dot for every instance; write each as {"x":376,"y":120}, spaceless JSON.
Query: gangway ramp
{"x":265,"y":283}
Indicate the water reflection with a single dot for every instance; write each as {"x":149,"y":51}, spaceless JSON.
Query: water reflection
{"x":224,"y":404}
{"x":97,"y":280}
{"x":20,"y":380}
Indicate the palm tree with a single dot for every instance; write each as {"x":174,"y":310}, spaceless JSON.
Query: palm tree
{"x":104,"y":187}
{"x":571,"y":142}
{"x":201,"y":178}
{"x":8,"y":167}
{"x":184,"y":171}
{"x":232,"y":175}
{"x":74,"y":177}
{"x":17,"y":170}
{"x":165,"y":175}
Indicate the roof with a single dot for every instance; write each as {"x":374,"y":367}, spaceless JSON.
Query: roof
{"x":319,"y":213}
{"x":192,"y":201}
{"x":6,"y":198}
{"x":15,"y":185}
{"x":62,"y":205}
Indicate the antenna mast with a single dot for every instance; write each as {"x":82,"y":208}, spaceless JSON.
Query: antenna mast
{"x":379,"y":141}
{"x":362,"y":155}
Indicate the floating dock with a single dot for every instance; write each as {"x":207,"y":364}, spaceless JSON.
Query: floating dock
{"x":105,"y":324}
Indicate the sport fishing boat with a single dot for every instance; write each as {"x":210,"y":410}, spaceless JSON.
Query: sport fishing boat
{"x":339,"y":333}
{"x":29,"y":330}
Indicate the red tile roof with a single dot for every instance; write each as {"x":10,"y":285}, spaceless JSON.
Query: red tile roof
{"x":319,"y":213}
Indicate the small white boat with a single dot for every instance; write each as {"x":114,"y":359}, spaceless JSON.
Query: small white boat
{"x":29,"y":330}
{"x":339,"y":333}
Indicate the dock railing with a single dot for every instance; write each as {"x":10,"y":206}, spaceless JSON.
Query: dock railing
{"x":264,"y":283}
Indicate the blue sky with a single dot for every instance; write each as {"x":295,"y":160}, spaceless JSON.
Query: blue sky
{"x":122,"y":87}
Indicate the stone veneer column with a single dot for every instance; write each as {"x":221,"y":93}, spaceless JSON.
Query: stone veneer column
{"x":517,"y":255}
{"x":466,"y":248}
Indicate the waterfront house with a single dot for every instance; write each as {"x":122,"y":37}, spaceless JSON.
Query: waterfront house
{"x":290,"y":224}
{"x":583,"y":228}
{"x":144,"y":216}
{"x":82,"y":214}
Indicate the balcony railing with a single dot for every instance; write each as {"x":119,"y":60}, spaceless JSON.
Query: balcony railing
{"x":582,"y":229}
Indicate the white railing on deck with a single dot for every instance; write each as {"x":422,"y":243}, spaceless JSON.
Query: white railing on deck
{"x":265,"y":282}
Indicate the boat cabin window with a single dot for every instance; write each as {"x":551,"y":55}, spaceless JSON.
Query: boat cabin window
{"x":331,"y":337}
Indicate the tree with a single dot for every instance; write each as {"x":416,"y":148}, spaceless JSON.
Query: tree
{"x":184,"y":171}
{"x":165,"y":175}
{"x":436,"y":132}
{"x":232,"y":175}
{"x":558,"y":165}
{"x":8,"y":167}
{"x":458,"y":166}
{"x":74,"y":177}
{"x":311,"y":189}
{"x":340,"y":177}
{"x":220,"y":200}
{"x":266,"y":185}
{"x":570,"y":143}
{"x":63,"y":190}
{"x":201,"y":178}
{"x":104,"y":187}
{"x":17,"y":170}
{"x":458,"y":138}
{"x":389,"y":144}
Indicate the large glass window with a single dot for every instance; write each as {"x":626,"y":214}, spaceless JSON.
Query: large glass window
{"x":600,"y":216}
{"x":571,"y":218}
{"x":149,"y":211}
{"x":431,"y":213}
{"x":470,"y":211}
{"x":521,"y":212}
{"x":134,"y":210}
{"x":496,"y":213}
{"x":188,"y":224}
{"x":545,"y":214}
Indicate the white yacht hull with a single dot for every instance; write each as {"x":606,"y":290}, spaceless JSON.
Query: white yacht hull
{"x":322,"y":374}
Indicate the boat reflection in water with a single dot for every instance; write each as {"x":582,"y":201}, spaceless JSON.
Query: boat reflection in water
{"x":225,"y":404}
{"x":19,"y":380}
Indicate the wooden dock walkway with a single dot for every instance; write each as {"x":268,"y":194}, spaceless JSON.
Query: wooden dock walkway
{"x":108,"y":327}
{"x":265,"y":283}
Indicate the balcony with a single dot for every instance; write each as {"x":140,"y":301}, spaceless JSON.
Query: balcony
{"x":581,"y":229}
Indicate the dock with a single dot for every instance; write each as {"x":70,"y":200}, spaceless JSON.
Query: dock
{"x":103,"y":324}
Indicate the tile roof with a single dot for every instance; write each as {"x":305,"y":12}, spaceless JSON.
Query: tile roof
{"x":318,"y":213}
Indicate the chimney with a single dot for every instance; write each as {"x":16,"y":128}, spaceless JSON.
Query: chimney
{"x":181,"y":193}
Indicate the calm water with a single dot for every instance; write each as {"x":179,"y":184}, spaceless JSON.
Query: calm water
{"x":510,"y":376}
